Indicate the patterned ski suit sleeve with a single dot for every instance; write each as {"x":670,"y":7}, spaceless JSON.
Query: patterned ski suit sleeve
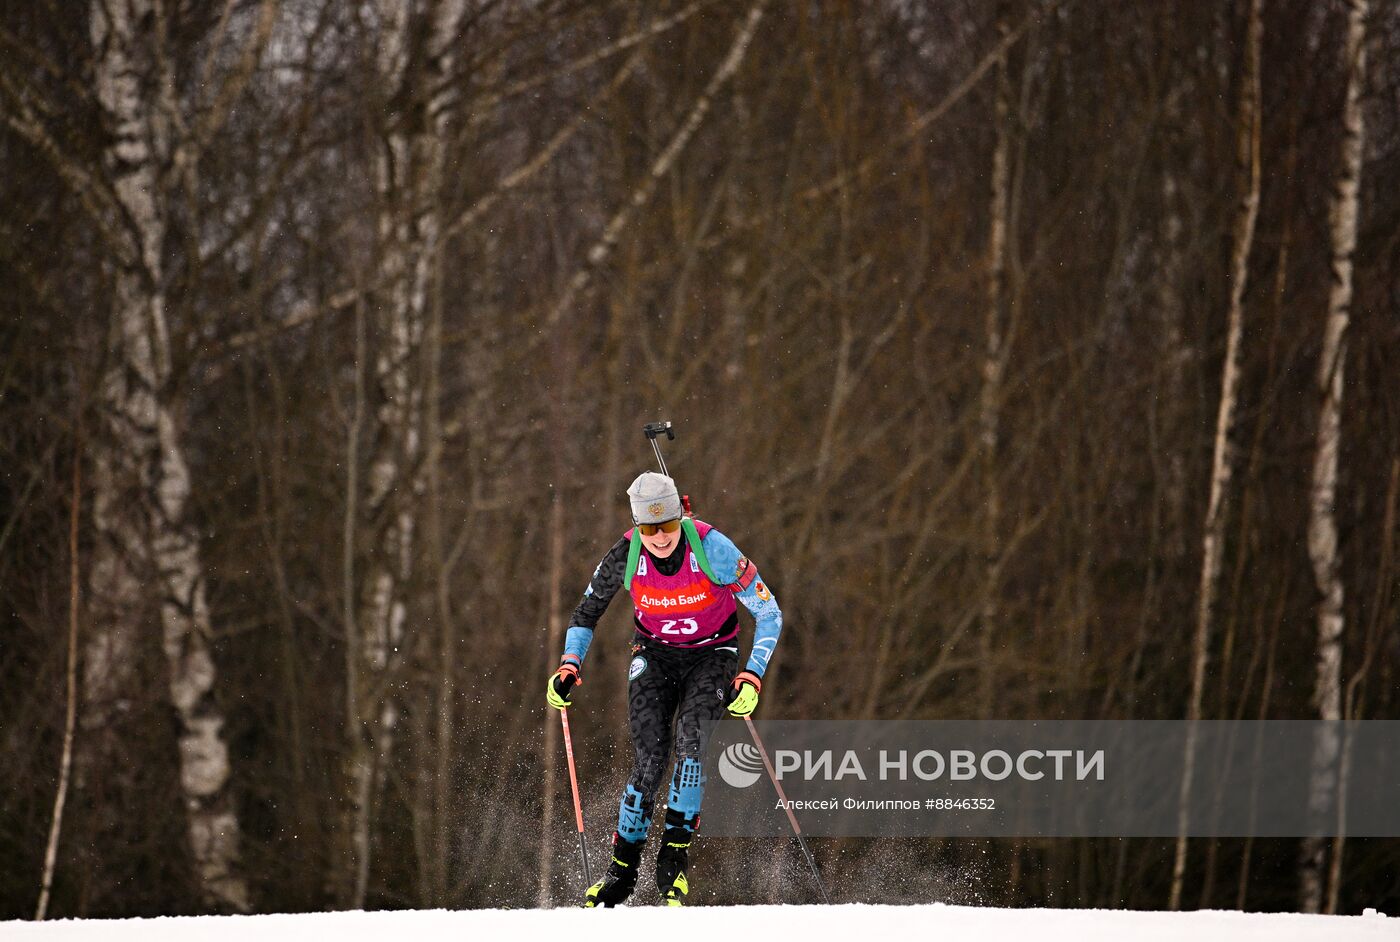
{"x":728,"y":563}
{"x":607,"y":579}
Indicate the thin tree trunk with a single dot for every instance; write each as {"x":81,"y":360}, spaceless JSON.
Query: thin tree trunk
{"x":1266,"y":694}
{"x":348,"y":553}
{"x":1247,"y":157}
{"x":553,"y":646}
{"x":735,"y":312}
{"x":1322,"y":520}
{"x":993,"y":367}
{"x":1171,"y":312}
{"x":1352,"y":702}
{"x":441,"y":819}
{"x":272,"y":509}
{"x":65,"y":763}
{"x":142,"y":486}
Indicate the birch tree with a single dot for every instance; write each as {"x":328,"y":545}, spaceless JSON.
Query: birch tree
{"x":142,"y":487}
{"x":1322,"y":500}
{"x":994,"y":360}
{"x":408,"y":169}
{"x":1223,"y":464}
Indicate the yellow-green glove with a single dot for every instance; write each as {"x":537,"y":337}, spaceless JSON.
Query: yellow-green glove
{"x":556,"y":692}
{"x":743,"y":694}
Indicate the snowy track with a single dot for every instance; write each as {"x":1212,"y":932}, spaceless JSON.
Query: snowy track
{"x":850,"y":923}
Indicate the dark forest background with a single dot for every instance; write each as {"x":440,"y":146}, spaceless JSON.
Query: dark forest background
{"x":328,"y":330}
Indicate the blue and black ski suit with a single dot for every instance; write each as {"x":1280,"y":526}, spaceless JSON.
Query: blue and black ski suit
{"x":685,"y":653}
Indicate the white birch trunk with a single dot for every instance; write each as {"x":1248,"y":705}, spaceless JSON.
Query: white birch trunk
{"x":70,"y":716}
{"x":1223,"y":465}
{"x":409,"y":170}
{"x":1322,"y":519}
{"x":993,"y":366}
{"x":141,"y":481}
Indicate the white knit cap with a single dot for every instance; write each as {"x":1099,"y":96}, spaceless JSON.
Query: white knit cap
{"x":654,"y":498}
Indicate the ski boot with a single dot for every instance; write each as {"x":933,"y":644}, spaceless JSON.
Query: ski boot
{"x":621,"y":877}
{"x":671,"y":864}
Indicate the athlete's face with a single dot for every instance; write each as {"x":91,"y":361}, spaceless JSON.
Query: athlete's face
{"x":661,"y":544}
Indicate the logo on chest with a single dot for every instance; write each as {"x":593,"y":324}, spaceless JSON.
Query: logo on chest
{"x":654,"y":593}
{"x":653,"y":599}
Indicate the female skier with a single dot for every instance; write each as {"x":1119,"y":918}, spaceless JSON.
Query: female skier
{"x":683,"y":576}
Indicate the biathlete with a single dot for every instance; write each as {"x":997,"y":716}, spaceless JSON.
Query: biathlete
{"x":684,"y":577}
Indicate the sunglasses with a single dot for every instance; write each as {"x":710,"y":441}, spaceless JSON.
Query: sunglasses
{"x":651,"y":529}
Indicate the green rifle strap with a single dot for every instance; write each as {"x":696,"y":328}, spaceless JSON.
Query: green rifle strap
{"x":697,"y":547}
{"x":634,"y":552}
{"x":692,"y":536}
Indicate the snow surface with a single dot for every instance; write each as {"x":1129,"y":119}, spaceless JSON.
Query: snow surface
{"x":847,"y":923}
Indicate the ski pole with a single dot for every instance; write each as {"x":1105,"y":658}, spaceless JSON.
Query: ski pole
{"x":578,"y":806}
{"x":787,"y":806}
